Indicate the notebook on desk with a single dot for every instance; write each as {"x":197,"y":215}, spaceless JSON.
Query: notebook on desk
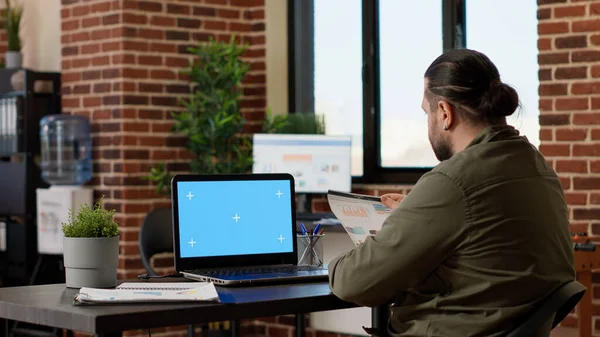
{"x":237,"y":229}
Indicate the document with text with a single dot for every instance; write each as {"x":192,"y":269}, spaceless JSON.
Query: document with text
{"x":150,"y":292}
{"x":361,"y":215}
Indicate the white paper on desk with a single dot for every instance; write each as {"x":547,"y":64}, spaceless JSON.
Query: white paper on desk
{"x":161,"y":286}
{"x":203,"y":291}
{"x":361,"y":215}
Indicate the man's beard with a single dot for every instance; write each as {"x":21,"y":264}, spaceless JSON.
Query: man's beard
{"x":441,"y":149}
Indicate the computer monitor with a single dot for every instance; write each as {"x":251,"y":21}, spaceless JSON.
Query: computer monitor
{"x":318,"y":163}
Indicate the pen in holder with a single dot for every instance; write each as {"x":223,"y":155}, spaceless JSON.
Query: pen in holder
{"x":312,"y":250}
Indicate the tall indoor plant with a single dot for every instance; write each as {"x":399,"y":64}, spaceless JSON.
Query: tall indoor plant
{"x":12,"y":25}
{"x":211,"y":120}
{"x":91,"y":247}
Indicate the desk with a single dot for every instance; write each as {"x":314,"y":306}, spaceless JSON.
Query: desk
{"x":51,"y":305}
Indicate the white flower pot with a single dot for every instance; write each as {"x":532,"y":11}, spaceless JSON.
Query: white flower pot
{"x":91,"y":262}
{"x":13,"y":59}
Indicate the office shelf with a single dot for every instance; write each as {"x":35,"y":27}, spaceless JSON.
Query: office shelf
{"x":37,"y":94}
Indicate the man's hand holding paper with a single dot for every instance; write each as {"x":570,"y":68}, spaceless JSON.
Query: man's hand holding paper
{"x":392,"y":200}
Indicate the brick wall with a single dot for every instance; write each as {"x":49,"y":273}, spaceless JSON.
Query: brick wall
{"x":121,"y":62}
{"x":569,"y":60}
{"x":121,"y":68}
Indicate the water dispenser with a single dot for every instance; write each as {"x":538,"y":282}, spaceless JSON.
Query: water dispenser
{"x":66,"y":165}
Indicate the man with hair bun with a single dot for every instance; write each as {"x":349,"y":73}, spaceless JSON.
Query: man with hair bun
{"x":483,"y":237}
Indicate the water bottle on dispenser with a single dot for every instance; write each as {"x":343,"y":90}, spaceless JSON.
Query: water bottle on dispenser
{"x":66,"y":150}
{"x":66,"y":165}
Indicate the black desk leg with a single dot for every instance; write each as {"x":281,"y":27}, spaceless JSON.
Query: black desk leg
{"x":300,"y":325}
{"x":235,"y":328}
{"x":3,"y":327}
{"x":379,"y":319}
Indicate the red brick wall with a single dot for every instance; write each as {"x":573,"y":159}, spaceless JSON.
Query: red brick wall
{"x":121,"y":62}
{"x":121,"y":68}
{"x":569,"y":60}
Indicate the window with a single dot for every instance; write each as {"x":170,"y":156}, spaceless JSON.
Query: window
{"x":507,"y":33}
{"x":338,"y":71}
{"x":404,"y":55}
{"x":361,"y":64}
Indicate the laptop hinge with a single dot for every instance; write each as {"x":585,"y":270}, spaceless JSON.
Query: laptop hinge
{"x":244,"y":267}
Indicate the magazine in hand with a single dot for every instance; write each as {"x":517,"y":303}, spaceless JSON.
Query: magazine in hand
{"x":150,"y":292}
{"x":361,"y":215}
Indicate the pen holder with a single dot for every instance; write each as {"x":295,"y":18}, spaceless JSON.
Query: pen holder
{"x":310,"y":250}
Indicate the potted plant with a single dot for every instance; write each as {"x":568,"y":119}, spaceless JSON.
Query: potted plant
{"x":91,"y":247}
{"x":294,"y":123}
{"x":12,"y":24}
{"x":211,"y":120}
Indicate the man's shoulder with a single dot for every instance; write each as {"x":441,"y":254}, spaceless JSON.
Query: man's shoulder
{"x":456,"y":166}
{"x":490,"y":160}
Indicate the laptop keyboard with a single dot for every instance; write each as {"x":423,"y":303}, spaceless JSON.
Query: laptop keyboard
{"x":253,"y":270}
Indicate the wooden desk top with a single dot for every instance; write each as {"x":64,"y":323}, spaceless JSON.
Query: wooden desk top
{"x":52,"y":305}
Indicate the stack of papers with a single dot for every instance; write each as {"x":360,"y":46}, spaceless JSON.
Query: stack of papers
{"x":131,"y":292}
{"x":360,"y":215}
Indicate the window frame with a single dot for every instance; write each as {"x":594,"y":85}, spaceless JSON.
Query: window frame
{"x":301,"y":77}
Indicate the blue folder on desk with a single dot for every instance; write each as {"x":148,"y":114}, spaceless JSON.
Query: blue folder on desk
{"x":237,"y":229}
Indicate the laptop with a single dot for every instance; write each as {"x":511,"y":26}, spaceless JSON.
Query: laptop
{"x":233,"y":229}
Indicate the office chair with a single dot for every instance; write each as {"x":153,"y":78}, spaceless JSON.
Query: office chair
{"x":156,"y":236}
{"x":551,"y":311}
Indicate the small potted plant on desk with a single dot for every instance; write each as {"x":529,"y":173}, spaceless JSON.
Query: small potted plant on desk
{"x":91,"y":247}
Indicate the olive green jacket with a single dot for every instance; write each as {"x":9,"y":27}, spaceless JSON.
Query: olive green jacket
{"x":471,"y":249}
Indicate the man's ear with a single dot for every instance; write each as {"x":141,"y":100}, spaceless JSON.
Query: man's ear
{"x":446,"y":114}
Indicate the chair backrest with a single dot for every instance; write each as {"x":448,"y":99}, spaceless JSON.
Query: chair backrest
{"x":156,"y":236}
{"x":558,"y":305}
